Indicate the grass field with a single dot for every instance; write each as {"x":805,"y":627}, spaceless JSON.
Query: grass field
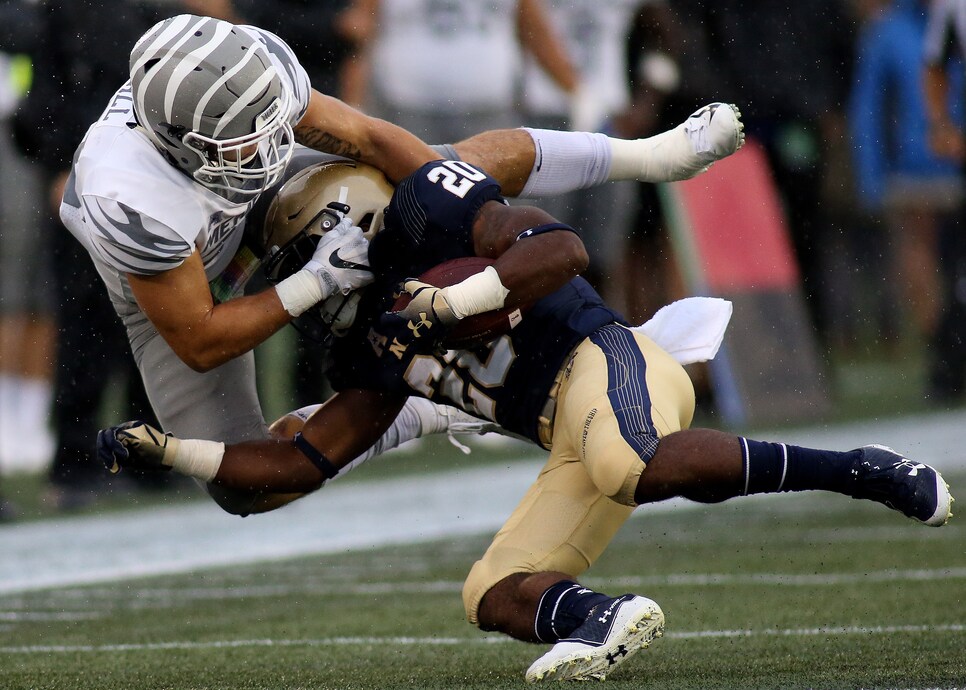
{"x":778,"y":592}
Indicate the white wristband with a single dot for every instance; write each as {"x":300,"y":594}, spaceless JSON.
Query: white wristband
{"x":479,"y":293}
{"x":300,"y":291}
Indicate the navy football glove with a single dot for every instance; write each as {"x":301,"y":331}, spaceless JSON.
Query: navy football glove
{"x":135,"y":445}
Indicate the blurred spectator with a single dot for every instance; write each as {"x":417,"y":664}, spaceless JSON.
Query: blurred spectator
{"x":594,"y":34}
{"x":24,"y":328}
{"x":788,"y":64}
{"x":81,"y":56}
{"x":445,"y":70}
{"x":26,"y":302}
{"x":899,"y":181}
{"x":668,"y":76}
{"x":945,"y":41}
{"x":321,"y":30}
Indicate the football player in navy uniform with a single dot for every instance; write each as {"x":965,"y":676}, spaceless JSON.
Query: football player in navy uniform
{"x":611,"y":407}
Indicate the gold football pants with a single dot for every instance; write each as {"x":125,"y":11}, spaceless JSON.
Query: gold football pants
{"x":617,"y":395}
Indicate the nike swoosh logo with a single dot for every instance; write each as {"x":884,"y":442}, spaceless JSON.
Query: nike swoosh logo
{"x":338,"y":262}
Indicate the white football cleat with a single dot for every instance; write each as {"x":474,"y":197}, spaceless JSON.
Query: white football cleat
{"x":715,"y":132}
{"x":708,"y":135}
{"x":611,"y":634}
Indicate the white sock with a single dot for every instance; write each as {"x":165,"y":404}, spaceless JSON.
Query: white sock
{"x":418,"y":417}
{"x":9,"y":402}
{"x":665,"y":157}
{"x":33,"y":422}
{"x":304,"y":413}
{"x":566,"y":161}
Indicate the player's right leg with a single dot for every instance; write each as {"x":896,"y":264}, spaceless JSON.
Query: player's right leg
{"x":524,"y":585}
{"x":542,"y":163}
{"x":623,"y":424}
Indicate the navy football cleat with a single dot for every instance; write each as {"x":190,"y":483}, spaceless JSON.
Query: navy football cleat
{"x":613,"y":632}
{"x":913,"y":488}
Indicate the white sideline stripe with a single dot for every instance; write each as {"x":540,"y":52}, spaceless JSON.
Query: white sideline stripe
{"x":343,"y":517}
{"x":449,"y":641}
{"x":340,"y":518}
{"x":186,"y":537}
{"x":32,"y":616}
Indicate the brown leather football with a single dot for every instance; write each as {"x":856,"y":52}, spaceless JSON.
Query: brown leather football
{"x":473,"y":330}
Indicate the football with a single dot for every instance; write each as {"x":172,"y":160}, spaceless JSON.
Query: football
{"x":473,"y":330}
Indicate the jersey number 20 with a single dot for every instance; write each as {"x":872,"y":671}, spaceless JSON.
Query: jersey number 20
{"x":456,"y":177}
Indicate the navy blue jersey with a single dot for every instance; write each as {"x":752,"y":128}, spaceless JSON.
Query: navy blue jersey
{"x":507,"y":380}
{"x":430,"y":218}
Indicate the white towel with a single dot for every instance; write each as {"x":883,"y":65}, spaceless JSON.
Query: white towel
{"x":691,"y":329}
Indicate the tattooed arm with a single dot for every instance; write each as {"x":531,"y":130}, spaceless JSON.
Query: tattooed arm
{"x":331,"y":126}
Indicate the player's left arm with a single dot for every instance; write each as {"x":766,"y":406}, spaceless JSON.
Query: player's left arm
{"x":331,"y":126}
{"x":535,"y":254}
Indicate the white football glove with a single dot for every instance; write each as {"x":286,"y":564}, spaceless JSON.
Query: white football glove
{"x":340,"y":264}
{"x":341,"y":260}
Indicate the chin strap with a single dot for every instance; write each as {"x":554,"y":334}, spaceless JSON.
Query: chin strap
{"x":321,"y":462}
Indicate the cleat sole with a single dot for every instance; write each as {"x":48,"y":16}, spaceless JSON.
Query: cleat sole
{"x":944,"y":504}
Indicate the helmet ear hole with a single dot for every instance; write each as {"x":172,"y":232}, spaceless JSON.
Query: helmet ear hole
{"x":365,"y":222}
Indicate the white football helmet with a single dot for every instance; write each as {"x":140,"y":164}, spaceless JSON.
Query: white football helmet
{"x":306,"y":207}
{"x":207,"y":94}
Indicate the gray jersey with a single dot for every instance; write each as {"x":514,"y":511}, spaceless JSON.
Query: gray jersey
{"x":136,"y":213}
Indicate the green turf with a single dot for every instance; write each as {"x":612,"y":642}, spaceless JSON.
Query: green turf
{"x":817,"y":592}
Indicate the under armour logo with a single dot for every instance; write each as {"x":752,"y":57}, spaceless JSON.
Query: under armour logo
{"x":913,"y":467}
{"x":415,"y":326}
{"x":619,"y":652}
{"x":606,"y":615}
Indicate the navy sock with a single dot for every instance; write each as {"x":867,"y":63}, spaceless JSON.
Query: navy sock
{"x":562,"y":608}
{"x":773,"y":467}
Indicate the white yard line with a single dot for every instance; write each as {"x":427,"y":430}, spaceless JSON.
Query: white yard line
{"x":345,"y":517}
{"x":450,"y":641}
